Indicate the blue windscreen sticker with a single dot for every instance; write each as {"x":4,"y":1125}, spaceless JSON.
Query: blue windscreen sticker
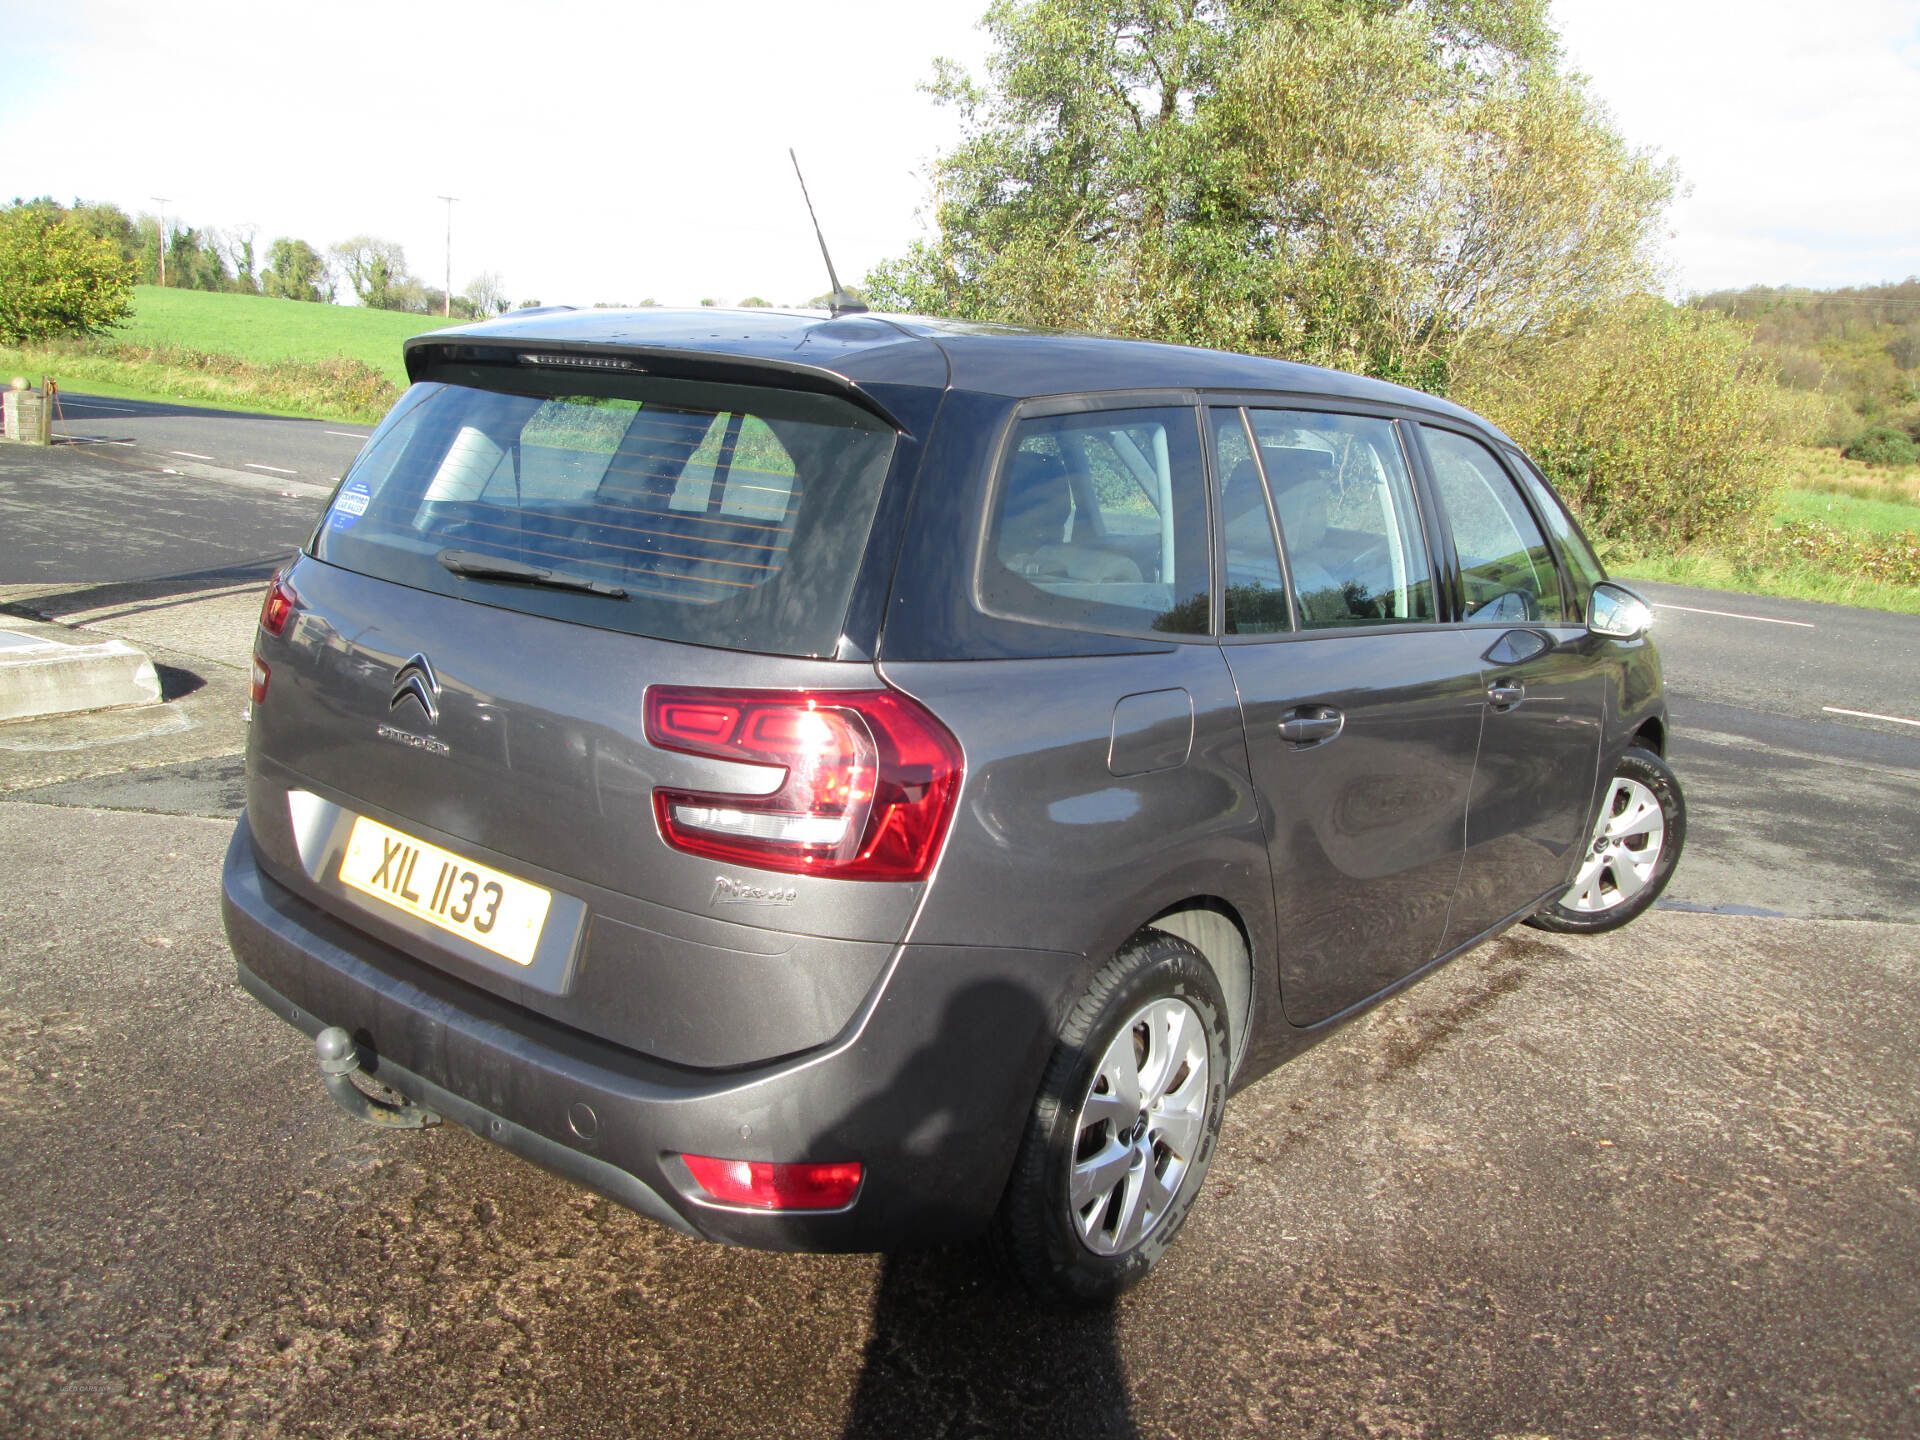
{"x":350,"y":504}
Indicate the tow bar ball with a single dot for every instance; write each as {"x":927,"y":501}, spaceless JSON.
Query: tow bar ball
{"x":339,"y":1058}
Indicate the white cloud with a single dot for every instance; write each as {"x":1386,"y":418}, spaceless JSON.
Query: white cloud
{"x":600,"y":152}
{"x":1793,"y":123}
{"x":621,"y":151}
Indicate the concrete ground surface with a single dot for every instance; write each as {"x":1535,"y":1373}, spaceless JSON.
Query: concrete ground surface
{"x":1663,"y":1183}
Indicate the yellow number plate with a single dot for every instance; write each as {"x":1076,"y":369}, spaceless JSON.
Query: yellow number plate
{"x":478,"y":904}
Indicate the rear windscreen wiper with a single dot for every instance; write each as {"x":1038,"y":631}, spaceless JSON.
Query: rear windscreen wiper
{"x":493,"y":567}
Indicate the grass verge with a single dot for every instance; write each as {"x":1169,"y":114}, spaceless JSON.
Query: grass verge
{"x":1842,"y":532}
{"x":338,"y":389}
{"x":1713,"y":571}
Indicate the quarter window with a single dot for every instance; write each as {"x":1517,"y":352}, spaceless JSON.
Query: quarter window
{"x":1344,"y":501}
{"x":1256,"y":590}
{"x":1506,"y":569}
{"x":1100,"y":523}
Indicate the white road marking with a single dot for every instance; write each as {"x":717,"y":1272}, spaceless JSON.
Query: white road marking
{"x":349,"y":434}
{"x":1870,"y":715}
{"x":190,"y":454}
{"x":1733,"y":615}
{"x":256,"y":465}
{"x":96,"y":405}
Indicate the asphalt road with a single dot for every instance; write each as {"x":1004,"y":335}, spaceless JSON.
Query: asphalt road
{"x":1660,"y":1183}
{"x":188,"y":436}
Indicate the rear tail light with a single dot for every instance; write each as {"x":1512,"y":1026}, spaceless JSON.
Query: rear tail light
{"x":278,"y":606}
{"x":865,"y":791}
{"x":260,"y":676}
{"x":767,"y":1186}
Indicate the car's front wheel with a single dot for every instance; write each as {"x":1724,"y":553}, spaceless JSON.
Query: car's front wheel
{"x":1123,"y":1128}
{"x":1631,"y":853}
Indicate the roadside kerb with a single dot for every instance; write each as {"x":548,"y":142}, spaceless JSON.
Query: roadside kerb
{"x":45,"y":670}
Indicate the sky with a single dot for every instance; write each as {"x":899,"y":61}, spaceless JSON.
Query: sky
{"x":624,"y":151}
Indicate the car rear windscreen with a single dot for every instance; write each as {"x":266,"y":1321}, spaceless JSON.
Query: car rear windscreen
{"x":715,"y":514}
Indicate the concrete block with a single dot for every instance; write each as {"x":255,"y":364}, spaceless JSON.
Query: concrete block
{"x":51,"y":670}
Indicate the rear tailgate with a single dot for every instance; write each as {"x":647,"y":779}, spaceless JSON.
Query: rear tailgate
{"x":433,"y":749}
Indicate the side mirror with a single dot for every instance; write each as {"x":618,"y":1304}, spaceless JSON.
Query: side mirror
{"x":1615,"y":610}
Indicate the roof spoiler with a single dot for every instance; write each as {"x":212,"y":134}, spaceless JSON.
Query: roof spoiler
{"x":426,"y":353}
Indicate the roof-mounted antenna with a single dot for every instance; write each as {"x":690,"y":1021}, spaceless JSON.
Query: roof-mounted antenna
{"x":839,"y":302}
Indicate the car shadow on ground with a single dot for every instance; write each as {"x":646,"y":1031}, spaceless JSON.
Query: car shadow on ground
{"x":959,"y":1349}
{"x":126,"y":597}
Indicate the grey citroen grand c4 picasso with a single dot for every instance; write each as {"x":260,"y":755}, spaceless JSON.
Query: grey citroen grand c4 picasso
{"x":836,"y":784}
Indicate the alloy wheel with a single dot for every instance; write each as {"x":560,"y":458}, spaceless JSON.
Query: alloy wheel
{"x":1139,"y":1127}
{"x":1623,"y":851}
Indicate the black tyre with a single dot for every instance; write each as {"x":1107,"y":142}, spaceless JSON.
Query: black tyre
{"x":1631,"y":853}
{"x":1123,"y":1128}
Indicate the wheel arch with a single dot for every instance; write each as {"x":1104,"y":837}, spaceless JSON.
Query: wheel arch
{"x":1215,"y":928}
{"x":1652,"y":734}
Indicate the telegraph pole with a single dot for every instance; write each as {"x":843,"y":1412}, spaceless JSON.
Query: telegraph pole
{"x":447,"y":300}
{"x":162,"y":202}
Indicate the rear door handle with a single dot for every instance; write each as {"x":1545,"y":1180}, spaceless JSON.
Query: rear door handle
{"x":1505,"y":694}
{"x":1311,"y":725}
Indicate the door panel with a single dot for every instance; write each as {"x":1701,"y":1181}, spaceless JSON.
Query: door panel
{"x":1534,"y":782}
{"x":1365,"y":829}
{"x":1541,"y":743}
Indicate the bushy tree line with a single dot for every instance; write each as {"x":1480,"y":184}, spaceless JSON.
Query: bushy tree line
{"x":57,"y":277}
{"x":230,"y":260}
{"x":1858,"y":348}
{"x":1413,"y":189}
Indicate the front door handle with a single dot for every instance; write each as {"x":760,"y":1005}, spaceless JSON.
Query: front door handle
{"x":1505,"y":694}
{"x":1311,"y":725}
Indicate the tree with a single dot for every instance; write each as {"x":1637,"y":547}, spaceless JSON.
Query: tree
{"x":236,"y":244}
{"x":485,"y":293}
{"x":56,"y":278}
{"x":295,"y":271}
{"x":376,"y":269}
{"x":1661,"y":425}
{"x":1365,"y":183}
{"x":194,"y":261}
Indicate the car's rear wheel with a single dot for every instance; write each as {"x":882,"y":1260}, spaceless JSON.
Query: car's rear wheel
{"x":1631,"y":853}
{"x":1122,"y":1131}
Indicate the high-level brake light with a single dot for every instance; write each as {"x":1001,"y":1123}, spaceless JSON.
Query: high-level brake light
{"x":867,"y":790}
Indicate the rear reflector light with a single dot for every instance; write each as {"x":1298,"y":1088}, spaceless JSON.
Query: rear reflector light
{"x":766,"y":1186}
{"x":260,"y":674}
{"x":278,"y":606}
{"x":866,"y":784}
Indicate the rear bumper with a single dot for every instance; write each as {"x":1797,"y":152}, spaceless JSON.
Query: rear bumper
{"x":928,"y":1088}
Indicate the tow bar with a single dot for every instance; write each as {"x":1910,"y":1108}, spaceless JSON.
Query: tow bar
{"x":339,"y":1058}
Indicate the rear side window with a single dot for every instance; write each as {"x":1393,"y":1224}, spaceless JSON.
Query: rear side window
{"x":1100,"y":523}
{"x":1345,"y":503}
{"x":1506,"y":568}
{"x":726,"y":515}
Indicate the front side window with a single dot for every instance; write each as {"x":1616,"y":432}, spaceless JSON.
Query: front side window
{"x":1345,"y":504}
{"x":1506,"y":568}
{"x":722,"y":515}
{"x":1583,"y":566}
{"x":1100,"y":523}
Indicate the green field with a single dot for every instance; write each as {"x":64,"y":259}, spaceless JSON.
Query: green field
{"x":1852,"y":512}
{"x":267,"y":331}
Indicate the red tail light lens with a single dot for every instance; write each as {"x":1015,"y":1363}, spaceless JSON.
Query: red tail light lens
{"x":865,"y":787}
{"x":260,"y":676}
{"x":278,"y":607}
{"x":776,"y":1187}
